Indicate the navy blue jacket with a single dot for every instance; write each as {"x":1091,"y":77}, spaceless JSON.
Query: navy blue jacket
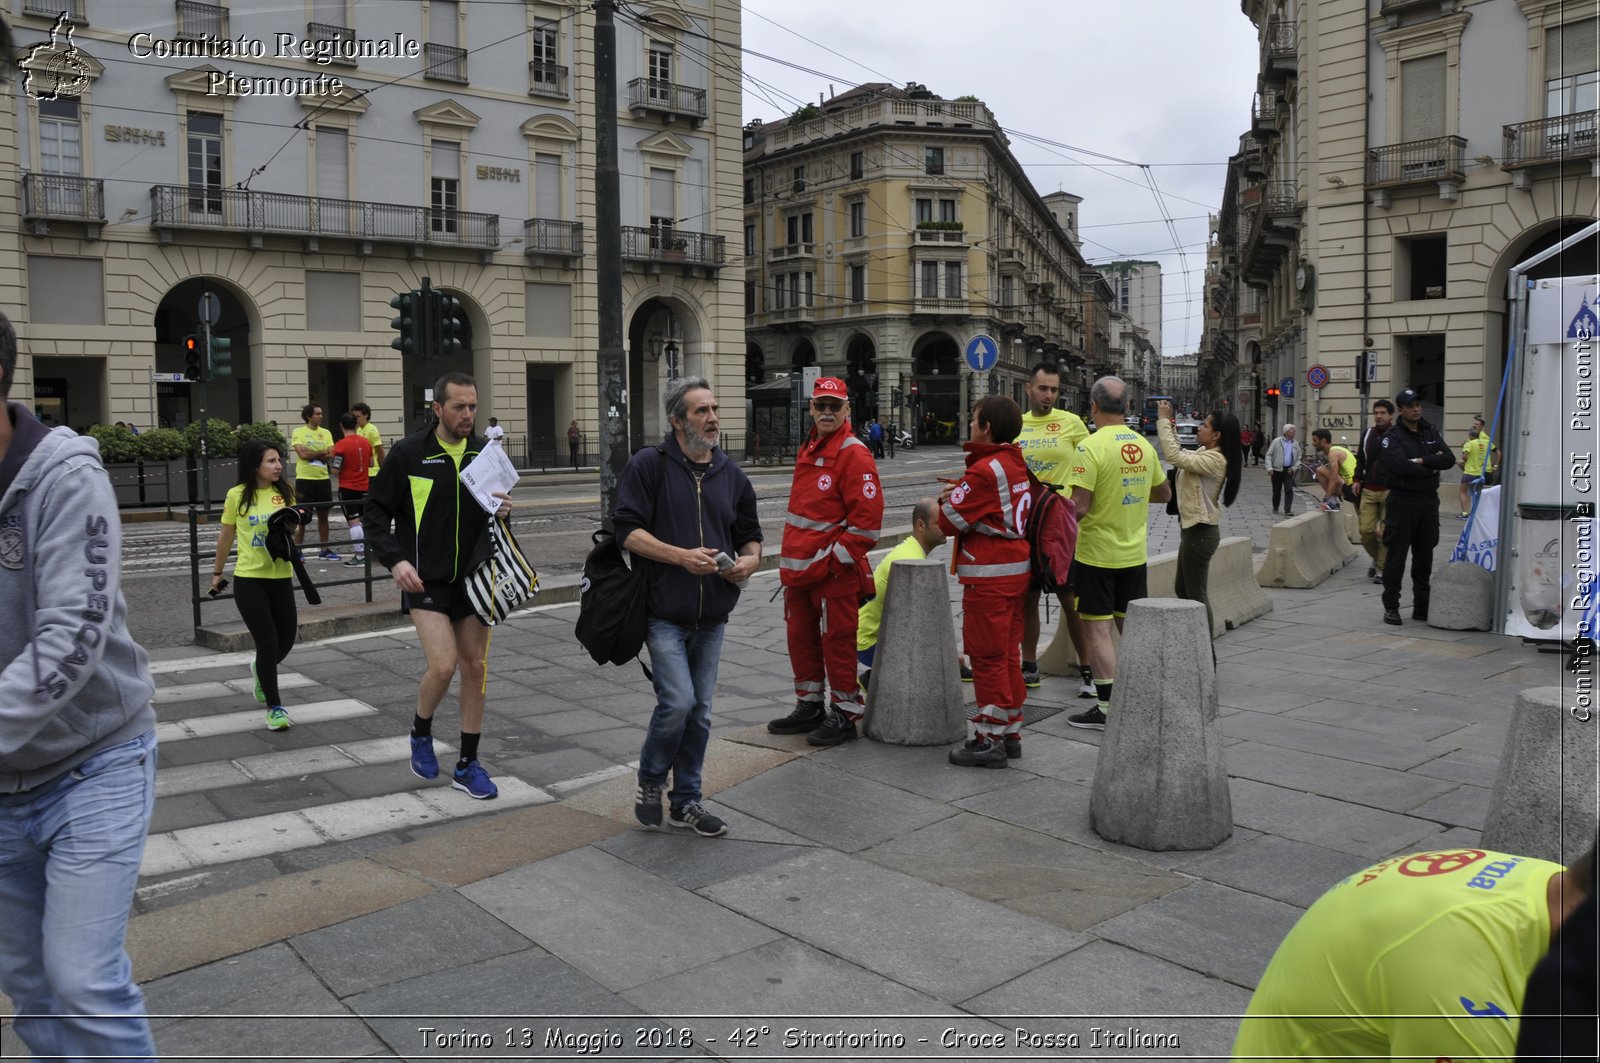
{"x":1399,"y":445}
{"x":659,"y":494}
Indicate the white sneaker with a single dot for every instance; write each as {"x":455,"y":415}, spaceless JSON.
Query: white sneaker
{"x":1086,"y":689}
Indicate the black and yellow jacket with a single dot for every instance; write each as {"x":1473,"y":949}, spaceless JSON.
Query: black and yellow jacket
{"x":418,"y":510}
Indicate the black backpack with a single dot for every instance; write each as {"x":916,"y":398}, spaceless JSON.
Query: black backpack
{"x":612,"y":607}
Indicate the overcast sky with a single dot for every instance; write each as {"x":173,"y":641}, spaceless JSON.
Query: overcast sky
{"x":1163,"y":83}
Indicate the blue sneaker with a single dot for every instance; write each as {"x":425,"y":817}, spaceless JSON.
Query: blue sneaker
{"x":473,"y":781}
{"x":424,"y":765}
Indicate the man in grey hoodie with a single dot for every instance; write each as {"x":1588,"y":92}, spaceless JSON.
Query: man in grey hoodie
{"x":77,"y":745}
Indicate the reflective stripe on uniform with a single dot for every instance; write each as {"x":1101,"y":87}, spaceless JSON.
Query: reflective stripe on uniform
{"x":797,"y":521}
{"x":1016,"y":568}
{"x":870,"y":534}
{"x":999,"y":533}
{"x":851,"y":441}
{"x":955,"y":518}
{"x":842,"y":554}
{"x":800,"y":564}
{"x":1003,"y":486}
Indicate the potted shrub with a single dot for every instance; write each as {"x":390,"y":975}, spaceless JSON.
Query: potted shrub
{"x":263,"y":432}
{"x":222,"y":450}
{"x":165,"y":455}
{"x":119,"y":453}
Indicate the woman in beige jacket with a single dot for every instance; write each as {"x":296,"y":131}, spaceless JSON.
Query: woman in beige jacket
{"x":1209,"y":480}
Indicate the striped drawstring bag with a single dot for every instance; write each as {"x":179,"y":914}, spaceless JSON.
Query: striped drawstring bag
{"x":505,"y":580}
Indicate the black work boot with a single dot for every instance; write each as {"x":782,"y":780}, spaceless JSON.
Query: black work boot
{"x":981,"y":752}
{"x":832,"y":731}
{"x":805,"y":718}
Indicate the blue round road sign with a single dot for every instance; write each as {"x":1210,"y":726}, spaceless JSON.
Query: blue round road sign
{"x":982,"y":353}
{"x":1317,"y":376}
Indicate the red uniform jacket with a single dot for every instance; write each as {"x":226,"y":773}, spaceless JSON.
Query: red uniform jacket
{"x":986,"y":515}
{"x":835,"y":512}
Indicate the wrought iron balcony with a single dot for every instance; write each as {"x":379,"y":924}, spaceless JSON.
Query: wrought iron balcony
{"x":642,"y":243}
{"x":1280,"y":56}
{"x":50,"y":197}
{"x":549,"y":236}
{"x":647,"y":96}
{"x":263,"y":214}
{"x":1550,"y":141}
{"x":1264,"y":115}
{"x":54,"y":8}
{"x":1283,"y":202}
{"x":339,"y":37}
{"x":197,"y":20}
{"x":445,"y":62}
{"x":547,"y":79}
{"x":1437,"y":159}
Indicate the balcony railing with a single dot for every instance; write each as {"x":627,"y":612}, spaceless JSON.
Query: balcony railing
{"x":197,"y":20}
{"x":1264,"y":114}
{"x":654,"y":244}
{"x":549,"y":236}
{"x":651,"y":95}
{"x":1547,"y":140}
{"x":53,"y":8}
{"x":547,"y":79}
{"x":337,"y":40}
{"x":1282,"y":199}
{"x":59,"y":197}
{"x":445,"y":62}
{"x":776,"y":314}
{"x":281,"y":214}
{"x":1280,"y":47}
{"x":785,"y":251}
{"x":930,"y":305}
{"x":946,"y":114}
{"x":1416,"y":162}
{"x":920,"y":235}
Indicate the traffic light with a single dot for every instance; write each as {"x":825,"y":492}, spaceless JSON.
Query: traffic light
{"x":409,"y":340}
{"x":221,"y":357}
{"x":447,"y":321}
{"x":191,"y":357}
{"x":1272,"y":393}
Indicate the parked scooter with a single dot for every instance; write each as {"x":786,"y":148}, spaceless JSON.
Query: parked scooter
{"x":903,"y":440}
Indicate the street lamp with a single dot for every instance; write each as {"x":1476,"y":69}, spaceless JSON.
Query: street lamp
{"x":666,"y":345}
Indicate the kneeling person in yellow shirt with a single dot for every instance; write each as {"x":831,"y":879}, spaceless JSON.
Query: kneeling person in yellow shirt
{"x":924,"y":539}
{"x":1339,"y":472}
{"x":1421,"y":956}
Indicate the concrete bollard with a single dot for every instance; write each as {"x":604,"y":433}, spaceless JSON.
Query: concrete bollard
{"x":915,"y":698}
{"x":1462,"y":598}
{"x":1161,"y":781}
{"x":1544,"y":796}
{"x":1351,"y":515}
{"x":1305,"y":550}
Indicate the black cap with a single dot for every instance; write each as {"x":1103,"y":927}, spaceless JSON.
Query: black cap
{"x":1407,"y":397}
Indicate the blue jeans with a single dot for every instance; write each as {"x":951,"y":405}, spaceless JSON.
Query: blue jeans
{"x":69,"y":860}
{"x":683,"y":664}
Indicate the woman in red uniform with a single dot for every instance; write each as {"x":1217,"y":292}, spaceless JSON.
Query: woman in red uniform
{"x":986,"y":517}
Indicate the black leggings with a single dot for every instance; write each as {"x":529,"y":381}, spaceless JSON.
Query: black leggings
{"x":267,"y":607}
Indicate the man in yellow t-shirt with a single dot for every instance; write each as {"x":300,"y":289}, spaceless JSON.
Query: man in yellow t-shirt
{"x":1339,"y":472}
{"x":368,"y":431}
{"x":1474,"y":462}
{"x":313,"y":449}
{"x":1115,"y":476}
{"x":1422,"y":956}
{"x":1049,"y":439}
{"x":924,"y":539}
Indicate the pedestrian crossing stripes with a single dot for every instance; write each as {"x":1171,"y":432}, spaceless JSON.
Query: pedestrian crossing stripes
{"x":236,"y":722}
{"x":264,"y":767}
{"x":225,"y":688}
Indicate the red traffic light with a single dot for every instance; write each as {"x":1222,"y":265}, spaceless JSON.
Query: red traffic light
{"x":190,"y":343}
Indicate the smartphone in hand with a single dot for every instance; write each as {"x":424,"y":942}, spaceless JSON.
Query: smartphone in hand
{"x":724,"y":562}
{"x":222,"y":585}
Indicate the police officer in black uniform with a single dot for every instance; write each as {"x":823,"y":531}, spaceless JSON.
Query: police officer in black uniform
{"x":1411,"y":456}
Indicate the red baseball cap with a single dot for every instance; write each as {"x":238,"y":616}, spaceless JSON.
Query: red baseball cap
{"x":830,"y":387}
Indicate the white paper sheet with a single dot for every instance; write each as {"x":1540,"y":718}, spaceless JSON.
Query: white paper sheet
{"x":489,"y":472}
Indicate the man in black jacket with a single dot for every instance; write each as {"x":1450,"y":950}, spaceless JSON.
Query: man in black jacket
{"x":422,"y":522}
{"x":684,"y":506}
{"x":1411,"y":456}
{"x":1372,"y":490}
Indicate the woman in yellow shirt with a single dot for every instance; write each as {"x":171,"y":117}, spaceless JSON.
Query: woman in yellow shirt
{"x":1209,"y":480}
{"x":263,"y":588}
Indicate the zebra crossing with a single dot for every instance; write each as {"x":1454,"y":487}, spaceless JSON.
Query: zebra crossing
{"x":196,"y":849}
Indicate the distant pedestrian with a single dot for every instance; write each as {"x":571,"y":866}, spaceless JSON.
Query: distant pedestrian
{"x":494,"y":432}
{"x":835,"y":514}
{"x":1412,"y":455}
{"x":352,"y":460}
{"x":683,"y":505}
{"x":263,"y":587}
{"x":370,"y":433}
{"x":428,"y":530}
{"x":313,"y":448}
{"x":1372,"y":487}
{"x":77,"y":749}
{"x":1114,"y":478}
{"x":574,"y":436}
{"x":1246,"y":438}
{"x":1209,"y":481}
{"x":925,"y":537}
{"x":1475,"y":461}
{"x":1283,"y":461}
{"x":986,"y":514}
{"x":1258,"y":442}
{"x":875,"y":437}
{"x":1338,"y":472}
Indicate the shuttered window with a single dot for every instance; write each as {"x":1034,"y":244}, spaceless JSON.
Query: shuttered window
{"x":663,"y":196}
{"x":1572,"y":49}
{"x":333,"y":171}
{"x":1422,"y":95}
{"x":547,"y":186}
{"x":443,"y":22}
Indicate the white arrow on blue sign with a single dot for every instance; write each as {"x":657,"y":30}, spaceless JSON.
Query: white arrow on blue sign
{"x":982,"y":353}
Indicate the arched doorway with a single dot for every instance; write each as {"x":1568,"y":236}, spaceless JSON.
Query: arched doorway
{"x":755,"y":364}
{"x":418,"y":374}
{"x":177,"y":404}
{"x":663,"y":344}
{"x":804,"y":354}
{"x":936,"y":387}
{"x":861,"y":377}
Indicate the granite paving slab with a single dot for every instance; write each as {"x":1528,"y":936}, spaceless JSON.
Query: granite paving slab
{"x":813,"y":800}
{"x":931,"y":938}
{"x":1070,"y":885}
{"x":1213,"y":929}
{"x":1356,"y":829}
{"x":297,"y":1017}
{"x":923,"y":770}
{"x":1475,"y":766}
{"x":466,"y":852}
{"x":439,"y":931}
{"x":1262,"y":696}
{"x":1111,"y":987}
{"x":617,"y":923}
{"x":1294,"y":872}
{"x":1345,"y":780}
{"x":687,"y":861}
{"x":1465,"y":806}
{"x":1397,"y":719}
{"x":1342,"y":743}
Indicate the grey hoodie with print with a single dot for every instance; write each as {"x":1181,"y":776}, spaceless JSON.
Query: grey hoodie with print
{"x":72,"y":680}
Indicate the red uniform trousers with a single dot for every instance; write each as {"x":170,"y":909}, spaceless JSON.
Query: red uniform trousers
{"x":822,"y":641}
{"x":991,"y":631}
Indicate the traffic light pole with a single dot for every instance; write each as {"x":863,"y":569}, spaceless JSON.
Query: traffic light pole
{"x":205,"y":457}
{"x":613,"y":395}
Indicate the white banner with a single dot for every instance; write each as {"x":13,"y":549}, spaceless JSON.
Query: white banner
{"x":1481,"y":544}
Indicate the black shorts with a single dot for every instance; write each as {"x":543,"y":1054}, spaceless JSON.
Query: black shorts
{"x":317,"y":494}
{"x":447,"y":598}
{"x":350,"y":501}
{"x":1104,"y":593}
{"x":1034,"y":588}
